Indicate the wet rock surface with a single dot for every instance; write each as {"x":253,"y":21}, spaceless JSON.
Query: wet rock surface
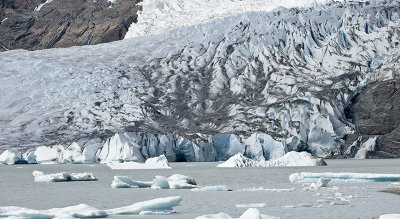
{"x":41,"y":24}
{"x":376,"y":112}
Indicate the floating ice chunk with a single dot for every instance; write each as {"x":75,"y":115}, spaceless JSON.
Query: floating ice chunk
{"x":211,"y":188}
{"x":126,"y":182}
{"x":179,"y":181}
{"x":390,"y":216}
{"x":63,"y":177}
{"x":290,"y":159}
{"x":155,"y":206}
{"x":266,"y":190}
{"x":10,"y":157}
{"x":322,"y":182}
{"x":252,"y":205}
{"x":160,"y":162}
{"x":176,"y":181}
{"x":251,"y":213}
{"x":340,"y":201}
{"x":77,"y":211}
{"x":344,"y":177}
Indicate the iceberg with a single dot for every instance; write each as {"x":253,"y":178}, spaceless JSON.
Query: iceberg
{"x":160,"y":162}
{"x":344,"y":177}
{"x":390,"y":216}
{"x":176,"y":181}
{"x":290,"y":159}
{"x":10,"y":157}
{"x":63,"y":177}
{"x":211,"y":188}
{"x":155,"y":206}
{"x":251,"y":205}
{"x":251,"y":213}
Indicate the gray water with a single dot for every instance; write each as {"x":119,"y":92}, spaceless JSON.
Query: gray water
{"x":17,"y":188}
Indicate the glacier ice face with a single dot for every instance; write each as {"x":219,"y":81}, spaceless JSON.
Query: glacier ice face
{"x":160,"y":162}
{"x":10,"y":157}
{"x":288,"y":74}
{"x":290,"y":159}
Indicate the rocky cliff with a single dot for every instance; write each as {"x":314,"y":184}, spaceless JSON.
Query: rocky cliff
{"x":41,"y":24}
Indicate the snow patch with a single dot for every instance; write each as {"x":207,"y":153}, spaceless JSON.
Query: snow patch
{"x":366,"y":147}
{"x":41,"y":5}
{"x":251,"y":205}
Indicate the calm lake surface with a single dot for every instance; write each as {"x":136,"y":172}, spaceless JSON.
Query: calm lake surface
{"x":17,"y":188}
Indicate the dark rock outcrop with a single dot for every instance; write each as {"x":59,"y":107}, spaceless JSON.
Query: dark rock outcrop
{"x":376,"y":112}
{"x":63,"y":23}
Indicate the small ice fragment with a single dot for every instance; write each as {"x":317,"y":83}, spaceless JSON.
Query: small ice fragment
{"x":251,"y":205}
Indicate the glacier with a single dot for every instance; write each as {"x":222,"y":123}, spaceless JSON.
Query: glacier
{"x":261,"y":83}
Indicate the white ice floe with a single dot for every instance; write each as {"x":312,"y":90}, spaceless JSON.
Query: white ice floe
{"x":251,"y":213}
{"x":344,"y":177}
{"x":322,"y":182}
{"x":155,"y":206}
{"x":266,"y":190}
{"x":63,"y":177}
{"x":10,"y":157}
{"x":251,"y":205}
{"x":160,"y":162}
{"x":390,"y":216}
{"x":176,"y":181}
{"x":211,"y":188}
{"x":290,"y":159}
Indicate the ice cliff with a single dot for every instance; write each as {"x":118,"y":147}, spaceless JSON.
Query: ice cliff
{"x":270,"y":82}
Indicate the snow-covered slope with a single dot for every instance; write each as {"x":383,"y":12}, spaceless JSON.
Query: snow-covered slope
{"x":279,"y":81}
{"x":158,"y":16}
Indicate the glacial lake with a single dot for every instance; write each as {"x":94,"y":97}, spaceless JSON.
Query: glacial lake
{"x":17,"y":188}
